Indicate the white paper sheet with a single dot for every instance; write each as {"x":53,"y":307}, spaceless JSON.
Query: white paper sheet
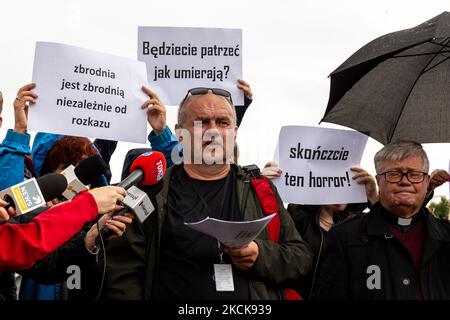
{"x":233,"y":234}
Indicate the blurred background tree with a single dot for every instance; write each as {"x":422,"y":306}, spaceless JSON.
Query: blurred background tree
{"x":440,"y":209}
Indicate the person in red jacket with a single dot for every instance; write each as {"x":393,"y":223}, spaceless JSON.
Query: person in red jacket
{"x":25,"y":244}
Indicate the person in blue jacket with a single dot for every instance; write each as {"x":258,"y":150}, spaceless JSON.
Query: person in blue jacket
{"x":161,"y":137}
{"x":7,"y":280}
{"x":18,"y":162}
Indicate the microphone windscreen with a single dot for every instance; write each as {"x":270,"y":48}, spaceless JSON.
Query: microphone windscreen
{"x":52,"y":185}
{"x":90,"y":169}
{"x":153,"y":164}
{"x":129,"y":158}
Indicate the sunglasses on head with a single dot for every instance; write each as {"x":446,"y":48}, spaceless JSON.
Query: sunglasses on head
{"x":203,"y":90}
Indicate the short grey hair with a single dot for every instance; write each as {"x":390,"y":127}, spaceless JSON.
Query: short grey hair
{"x":400,"y":150}
{"x":181,"y":114}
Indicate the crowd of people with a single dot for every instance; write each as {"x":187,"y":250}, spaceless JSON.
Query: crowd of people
{"x":390,"y":247}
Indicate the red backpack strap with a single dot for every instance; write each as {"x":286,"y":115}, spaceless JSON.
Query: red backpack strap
{"x":291,"y":294}
{"x":266,"y":199}
{"x":269,"y":205}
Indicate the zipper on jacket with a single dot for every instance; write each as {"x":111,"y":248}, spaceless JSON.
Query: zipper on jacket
{"x":318,"y":255}
{"x":245,"y":193}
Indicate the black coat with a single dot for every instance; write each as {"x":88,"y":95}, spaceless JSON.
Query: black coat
{"x":7,"y":286}
{"x":306,"y":220}
{"x":53,"y":268}
{"x":357,"y":246}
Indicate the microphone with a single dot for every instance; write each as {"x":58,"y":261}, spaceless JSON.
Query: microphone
{"x":34,"y":193}
{"x":147,"y":170}
{"x":87,"y":172}
{"x":138,"y":202}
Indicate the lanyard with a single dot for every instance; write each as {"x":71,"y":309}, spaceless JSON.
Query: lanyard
{"x":222,"y":202}
{"x":203,"y":201}
{"x":220,"y":251}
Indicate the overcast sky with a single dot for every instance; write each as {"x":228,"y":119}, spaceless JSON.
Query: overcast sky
{"x":289,"y":49}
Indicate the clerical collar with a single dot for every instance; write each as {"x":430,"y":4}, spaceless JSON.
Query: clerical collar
{"x":399,"y":222}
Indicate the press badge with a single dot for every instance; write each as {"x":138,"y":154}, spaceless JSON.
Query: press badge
{"x":223,"y":275}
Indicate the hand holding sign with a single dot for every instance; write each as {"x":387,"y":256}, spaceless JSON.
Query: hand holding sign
{"x":156,"y":111}
{"x":316,"y":165}
{"x":437,"y":178}
{"x":366,"y":179}
{"x":87,"y":93}
{"x":24,"y":96}
{"x":271,"y":170}
{"x":245,"y":87}
{"x":179,"y":59}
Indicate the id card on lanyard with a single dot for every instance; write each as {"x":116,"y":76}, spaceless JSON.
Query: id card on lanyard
{"x":223,"y":273}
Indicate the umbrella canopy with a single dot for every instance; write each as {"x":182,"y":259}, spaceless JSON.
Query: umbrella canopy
{"x":397,"y":87}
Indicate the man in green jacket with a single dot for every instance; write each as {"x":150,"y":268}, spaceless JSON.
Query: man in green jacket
{"x":164,"y":259}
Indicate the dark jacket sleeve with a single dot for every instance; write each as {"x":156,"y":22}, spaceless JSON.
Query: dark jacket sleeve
{"x":106,"y":149}
{"x":300,"y":214}
{"x":53,"y":268}
{"x":240,"y":110}
{"x":8,"y":287}
{"x":288,"y":260}
{"x":333,"y":276}
{"x":126,"y":264}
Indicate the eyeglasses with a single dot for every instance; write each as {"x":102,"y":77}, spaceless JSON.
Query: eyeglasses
{"x":397,"y":176}
{"x":203,"y":90}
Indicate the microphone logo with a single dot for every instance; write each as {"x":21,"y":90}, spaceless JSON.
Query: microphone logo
{"x":25,"y":196}
{"x":159,"y":170}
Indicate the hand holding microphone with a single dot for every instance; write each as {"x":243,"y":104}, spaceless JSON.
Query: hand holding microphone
{"x":6,"y":214}
{"x":33,"y":193}
{"x":117,"y":224}
{"x":148,"y":170}
{"x":107,"y":198}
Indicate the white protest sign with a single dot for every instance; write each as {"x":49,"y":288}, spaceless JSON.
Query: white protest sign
{"x":316,"y":165}
{"x":88,"y":93}
{"x":179,"y":59}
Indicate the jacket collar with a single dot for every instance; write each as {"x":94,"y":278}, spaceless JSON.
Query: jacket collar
{"x":379,"y":225}
{"x":376,"y":224}
{"x":161,"y":196}
{"x":438,"y":230}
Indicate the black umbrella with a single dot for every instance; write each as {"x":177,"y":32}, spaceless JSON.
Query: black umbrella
{"x":397,"y":87}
